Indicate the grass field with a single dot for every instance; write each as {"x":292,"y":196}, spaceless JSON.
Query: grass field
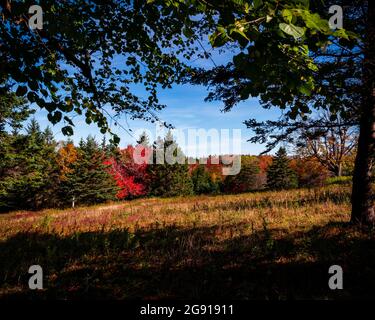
{"x":270,"y":245}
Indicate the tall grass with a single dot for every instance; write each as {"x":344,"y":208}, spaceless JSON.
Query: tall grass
{"x":266,"y":245}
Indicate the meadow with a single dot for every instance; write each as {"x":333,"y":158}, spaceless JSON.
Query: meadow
{"x":263,"y":245}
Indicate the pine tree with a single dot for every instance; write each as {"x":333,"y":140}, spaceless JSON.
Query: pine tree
{"x":202,"y":181}
{"x":279,"y":174}
{"x":30,"y":174}
{"x":88,"y":181}
{"x":169,"y":179}
{"x":144,"y":139}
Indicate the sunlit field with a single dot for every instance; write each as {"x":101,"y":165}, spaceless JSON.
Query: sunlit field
{"x":266,"y":245}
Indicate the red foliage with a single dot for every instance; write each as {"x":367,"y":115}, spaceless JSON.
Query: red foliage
{"x":129,"y":171}
{"x":309,"y":171}
{"x":264,"y":162}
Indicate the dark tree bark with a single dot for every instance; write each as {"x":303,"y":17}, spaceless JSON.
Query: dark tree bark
{"x":363,"y":211}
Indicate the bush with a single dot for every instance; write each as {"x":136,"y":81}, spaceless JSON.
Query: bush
{"x":339,"y":180}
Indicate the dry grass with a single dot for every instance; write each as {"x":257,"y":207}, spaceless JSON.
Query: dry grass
{"x":270,"y":245}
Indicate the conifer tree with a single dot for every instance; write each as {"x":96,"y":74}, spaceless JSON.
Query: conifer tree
{"x":144,"y":139}
{"x":202,"y":181}
{"x":169,"y":179}
{"x":279,"y":173}
{"x":89,"y":182}
{"x":29,"y":179}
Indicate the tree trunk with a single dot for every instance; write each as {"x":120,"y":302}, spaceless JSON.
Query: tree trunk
{"x":362,"y":195}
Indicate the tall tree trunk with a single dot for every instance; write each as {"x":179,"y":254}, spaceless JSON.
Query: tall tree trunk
{"x":362,"y":195}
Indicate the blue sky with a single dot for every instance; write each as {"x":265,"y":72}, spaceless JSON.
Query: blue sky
{"x":185,"y":109}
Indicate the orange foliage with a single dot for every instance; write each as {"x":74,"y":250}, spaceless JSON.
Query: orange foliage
{"x":67,"y":155}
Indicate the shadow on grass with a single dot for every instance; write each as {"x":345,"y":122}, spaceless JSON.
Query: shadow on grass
{"x":191,"y":263}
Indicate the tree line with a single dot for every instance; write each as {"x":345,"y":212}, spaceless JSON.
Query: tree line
{"x":38,"y":172}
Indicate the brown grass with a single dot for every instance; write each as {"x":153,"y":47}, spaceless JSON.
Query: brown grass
{"x":270,"y":245}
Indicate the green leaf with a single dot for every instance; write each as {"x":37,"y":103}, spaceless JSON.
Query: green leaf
{"x":188,"y":33}
{"x":67,"y":131}
{"x":287,"y":15}
{"x":68,"y":120}
{"x":315,"y":22}
{"x":33,"y":85}
{"x":292,"y":30}
{"x":55,"y":117}
{"x":241,"y":33}
{"x":305,"y":89}
{"x":257,"y":3}
{"x":115,"y":139}
{"x":341,"y":33}
{"x":219,"y":37}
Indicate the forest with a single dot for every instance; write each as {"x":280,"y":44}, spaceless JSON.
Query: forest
{"x":82,"y":218}
{"x":38,"y":172}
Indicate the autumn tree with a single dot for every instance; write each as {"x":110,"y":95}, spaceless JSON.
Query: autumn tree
{"x":66,"y":156}
{"x":330,"y":145}
{"x":247,"y":179}
{"x":131,"y":177}
{"x":310,"y":172}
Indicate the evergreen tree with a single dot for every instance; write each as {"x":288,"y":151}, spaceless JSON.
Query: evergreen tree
{"x":30,"y":177}
{"x":279,"y":174}
{"x":169,"y":179}
{"x":202,"y":181}
{"x":110,"y":149}
{"x":88,"y":181}
{"x":13,"y":112}
{"x":144,"y":139}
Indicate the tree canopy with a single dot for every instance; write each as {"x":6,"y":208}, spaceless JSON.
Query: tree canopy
{"x":88,"y":57}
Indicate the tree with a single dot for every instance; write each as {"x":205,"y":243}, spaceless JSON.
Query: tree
{"x":247,"y":179}
{"x":88,"y":181}
{"x":279,"y":46}
{"x":66,"y":156}
{"x":143,"y":139}
{"x":279,"y":174}
{"x":169,"y":179}
{"x":30,"y":171}
{"x":202,"y":181}
{"x":13,"y":111}
{"x":310,"y":172}
{"x":131,"y":178}
{"x":67,"y":66}
{"x":331,"y":146}
{"x":363,"y":196}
